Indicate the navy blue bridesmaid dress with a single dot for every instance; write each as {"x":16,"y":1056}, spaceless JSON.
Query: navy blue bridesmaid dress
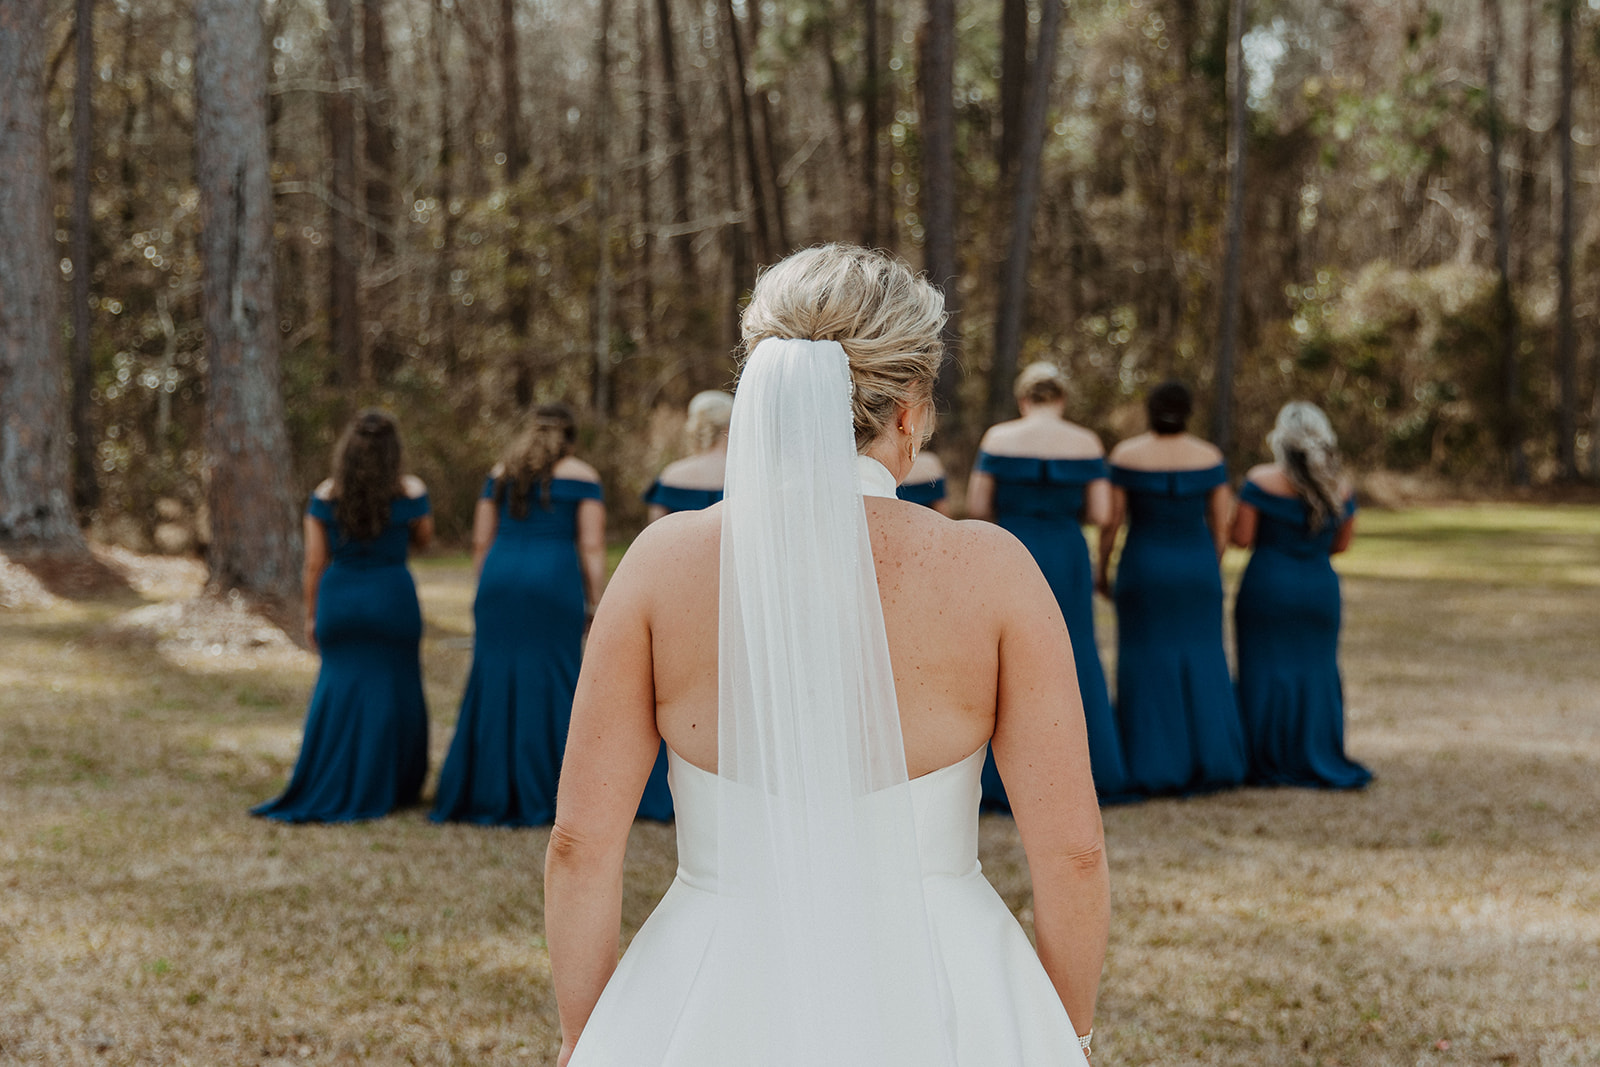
{"x":1040,"y":501}
{"x":926,"y":493}
{"x":505,"y":758}
{"x":1175,"y":703}
{"x":365,"y":750}
{"x":656,"y":803}
{"x":1286,"y":620}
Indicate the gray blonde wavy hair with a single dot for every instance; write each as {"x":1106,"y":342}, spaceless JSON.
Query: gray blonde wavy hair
{"x":887,"y":318}
{"x":709,"y":414}
{"x":1303,"y":443}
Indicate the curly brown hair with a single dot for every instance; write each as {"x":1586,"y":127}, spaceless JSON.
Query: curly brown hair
{"x":545,"y":441}
{"x":366,"y":474}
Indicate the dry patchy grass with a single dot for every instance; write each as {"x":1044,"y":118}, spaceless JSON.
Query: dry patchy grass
{"x":1450,"y":914}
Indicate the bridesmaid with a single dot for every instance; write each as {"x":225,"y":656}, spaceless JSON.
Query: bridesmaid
{"x":1039,"y":477}
{"x":690,"y":484}
{"x":539,"y":546}
{"x":1295,"y":513}
{"x":695,"y":482}
{"x":1175,"y":702}
{"x":924,"y":483}
{"x":365,"y":747}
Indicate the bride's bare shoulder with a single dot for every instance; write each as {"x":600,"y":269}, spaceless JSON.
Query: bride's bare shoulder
{"x":681,"y":548}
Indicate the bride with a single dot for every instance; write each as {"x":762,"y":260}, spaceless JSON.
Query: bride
{"x":826,"y":665}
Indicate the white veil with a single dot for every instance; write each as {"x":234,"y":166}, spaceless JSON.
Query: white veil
{"x":822,"y":938}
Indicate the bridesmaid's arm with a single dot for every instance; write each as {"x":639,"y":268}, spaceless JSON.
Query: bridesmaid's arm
{"x":1243,"y":530}
{"x":1218,"y":506}
{"x":485,"y":524}
{"x":1097,"y":502}
{"x":421,"y":529}
{"x":1108,"y":539}
{"x":1042,"y":751}
{"x":592,"y":548}
{"x":611,"y":747}
{"x":655,"y":512}
{"x":1346,"y":534}
{"x":316,"y":537}
{"x":980,"y":496}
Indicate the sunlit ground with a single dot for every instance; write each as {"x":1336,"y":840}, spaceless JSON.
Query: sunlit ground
{"x":1449,"y":914}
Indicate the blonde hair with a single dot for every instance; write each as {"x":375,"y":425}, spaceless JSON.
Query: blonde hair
{"x":1040,"y":383}
{"x":1303,"y":443}
{"x":709,"y":413}
{"x":886,"y":318}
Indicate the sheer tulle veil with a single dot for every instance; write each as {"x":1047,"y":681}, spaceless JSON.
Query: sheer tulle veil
{"x":822,"y":951}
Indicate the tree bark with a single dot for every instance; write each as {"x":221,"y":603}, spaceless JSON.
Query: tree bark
{"x":1227,"y":349}
{"x":1025,"y":199}
{"x":35,"y":478}
{"x":344,"y":252}
{"x":382,"y":211}
{"x":255,"y":531}
{"x":1505,"y":302}
{"x":678,"y":135}
{"x":645,"y":188}
{"x":518,"y":300}
{"x":601,"y":371}
{"x":936,"y":80}
{"x":871,"y":127}
{"x":752,"y":157}
{"x":444,"y":262}
{"x":86,"y":487}
{"x":1013,"y":81}
{"x":1566,"y":340}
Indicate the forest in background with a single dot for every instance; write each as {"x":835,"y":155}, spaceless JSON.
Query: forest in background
{"x":478,"y":205}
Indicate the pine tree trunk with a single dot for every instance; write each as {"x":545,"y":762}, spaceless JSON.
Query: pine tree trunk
{"x":1566,"y":341}
{"x":35,"y":479}
{"x":518,"y":300}
{"x":86,"y":488}
{"x":601,"y":371}
{"x":1505,"y":302}
{"x":871,"y":127}
{"x":1025,"y":199}
{"x":678,"y":135}
{"x":752,"y":158}
{"x":255,"y":531}
{"x":382,"y":211}
{"x":444,"y":262}
{"x":344,"y":252}
{"x":1013,"y":81}
{"x":936,"y":80}
{"x":1233,"y":254}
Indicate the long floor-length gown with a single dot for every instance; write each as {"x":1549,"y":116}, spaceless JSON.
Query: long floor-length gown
{"x":656,"y":803}
{"x":1286,"y":620}
{"x":1004,"y":1008}
{"x":1175,"y":703}
{"x":1040,"y":501}
{"x":528,"y":617}
{"x":365,"y":750}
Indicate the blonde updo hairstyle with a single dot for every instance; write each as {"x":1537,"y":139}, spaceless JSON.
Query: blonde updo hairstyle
{"x":1304,"y":446}
{"x":709,"y":415}
{"x":887,"y":319}
{"x":1041,"y":383}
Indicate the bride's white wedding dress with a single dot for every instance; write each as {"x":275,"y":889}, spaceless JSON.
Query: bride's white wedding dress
{"x":827,"y":912}
{"x":999,"y":1005}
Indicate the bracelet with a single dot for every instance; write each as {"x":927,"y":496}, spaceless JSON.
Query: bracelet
{"x":1084,"y":1040}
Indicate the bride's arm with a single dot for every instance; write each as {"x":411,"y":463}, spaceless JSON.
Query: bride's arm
{"x":1042,"y":751}
{"x":611,"y":746}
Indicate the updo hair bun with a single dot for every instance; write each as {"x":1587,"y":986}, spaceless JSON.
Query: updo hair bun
{"x":887,"y":318}
{"x":1041,"y":383}
{"x":1169,"y":406}
{"x":709,"y":415}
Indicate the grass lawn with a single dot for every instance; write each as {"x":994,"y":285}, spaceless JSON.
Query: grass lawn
{"x":1450,"y":914}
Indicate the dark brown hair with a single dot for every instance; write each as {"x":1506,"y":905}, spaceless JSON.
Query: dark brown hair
{"x":1169,"y":405}
{"x":366,"y":474}
{"x":532,"y":457}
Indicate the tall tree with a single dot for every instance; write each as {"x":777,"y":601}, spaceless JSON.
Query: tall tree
{"x":344,"y":251}
{"x":871,"y":126}
{"x":1013,"y":80}
{"x":35,"y":483}
{"x":441,"y":36}
{"x":518,"y":296}
{"x":86,"y":488}
{"x":1509,"y":327}
{"x":380,"y":193}
{"x":765,"y":243}
{"x":600,"y":389}
{"x":678,"y":136}
{"x":936,"y":80}
{"x":255,"y":532}
{"x":1232,"y":260}
{"x":1024,"y":201}
{"x":1566,"y":341}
